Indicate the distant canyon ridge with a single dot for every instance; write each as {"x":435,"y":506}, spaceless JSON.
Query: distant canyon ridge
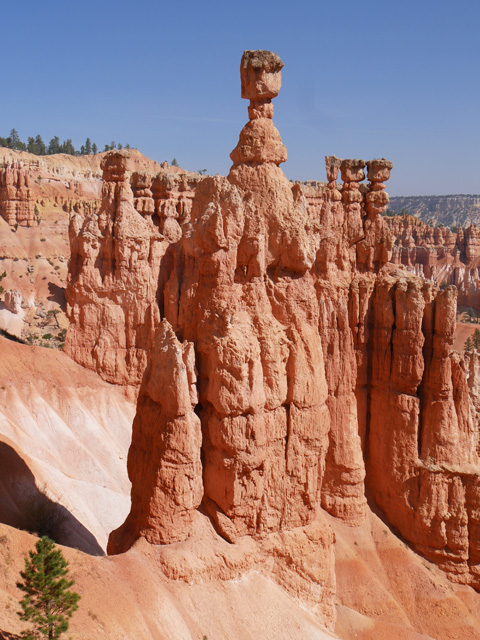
{"x":459,"y":210}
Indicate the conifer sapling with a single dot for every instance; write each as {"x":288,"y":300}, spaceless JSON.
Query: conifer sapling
{"x":48,"y":602}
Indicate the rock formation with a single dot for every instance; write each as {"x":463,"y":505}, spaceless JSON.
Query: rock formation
{"x":16,"y":203}
{"x":13,"y":301}
{"x":111,"y":295}
{"x":439,"y":254}
{"x":284,"y":361}
{"x":31,"y":186}
{"x":260,"y":285}
{"x":452,"y":210}
{"x":422,"y":465}
{"x":116,"y":259}
{"x":165,"y":459}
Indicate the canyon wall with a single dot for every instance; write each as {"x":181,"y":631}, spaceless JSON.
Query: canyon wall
{"x":31,"y":186}
{"x":284,"y":366}
{"x":442,"y":255}
{"x":422,"y":462}
{"x":460,"y":209}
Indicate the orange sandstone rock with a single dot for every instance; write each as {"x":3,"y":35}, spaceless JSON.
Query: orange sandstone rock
{"x":440,"y":255}
{"x":113,"y":279}
{"x":260,"y":75}
{"x":312,"y":353}
{"x":279,"y":349}
{"x":16,"y":203}
{"x":422,"y":468}
{"x":255,"y":287}
{"x":164,"y":458}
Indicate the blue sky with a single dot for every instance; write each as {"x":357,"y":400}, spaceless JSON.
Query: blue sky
{"x":361,"y":79}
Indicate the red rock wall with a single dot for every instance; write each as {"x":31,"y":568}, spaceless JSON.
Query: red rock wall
{"x":421,"y":455}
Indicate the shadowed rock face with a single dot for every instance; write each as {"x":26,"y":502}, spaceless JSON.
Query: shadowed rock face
{"x":284,"y":360}
{"x":24,"y":506}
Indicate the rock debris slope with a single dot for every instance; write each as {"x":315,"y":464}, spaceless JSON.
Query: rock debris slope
{"x":282,"y":363}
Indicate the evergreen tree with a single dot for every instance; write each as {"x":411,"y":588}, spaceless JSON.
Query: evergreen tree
{"x":471,"y":314}
{"x":48,"y":602}
{"x":54,"y":145}
{"x":67,"y":147}
{"x":14,"y":139}
{"x":468,"y":346}
{"x":82,"y":150}
{"x":174,"y":163}
{"x":476,"y":339}
{"x":40,"y":145}
{"x":31,"y":148}
{"x":88,"y":146}
{"x":94,"y":148}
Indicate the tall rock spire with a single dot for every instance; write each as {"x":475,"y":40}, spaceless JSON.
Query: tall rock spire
{"x":261,"y":78}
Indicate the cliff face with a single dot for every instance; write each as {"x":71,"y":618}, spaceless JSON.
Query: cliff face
{"x":422,"y":463}
{"x":284,"y":363}
{"x":31,"y":187}
{"x":111,"y":291}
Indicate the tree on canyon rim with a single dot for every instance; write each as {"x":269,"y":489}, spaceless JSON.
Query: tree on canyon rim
{"x":48,"y":602}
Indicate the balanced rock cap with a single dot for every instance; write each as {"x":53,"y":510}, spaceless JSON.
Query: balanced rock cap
{"x":260,"y":75}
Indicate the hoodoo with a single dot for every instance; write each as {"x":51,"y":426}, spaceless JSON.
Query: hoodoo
{"x":283,"y":363}
{"x":16,"y":203}
{"x":259,"y":285}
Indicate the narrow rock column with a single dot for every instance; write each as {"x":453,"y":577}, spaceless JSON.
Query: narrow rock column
{"x":378,"y":172}
{"x":261,"y":81}
{"x":16,"y":203}
{"x":141,"y":183}
{"x":262,"y":375}
{"x":332,"y":164}
{"x":375,"y":249}
{"x":352,"y":197}
{"x":164,"y":458}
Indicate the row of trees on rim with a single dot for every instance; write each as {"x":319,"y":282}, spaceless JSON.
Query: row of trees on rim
{"x":38,"y":147}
